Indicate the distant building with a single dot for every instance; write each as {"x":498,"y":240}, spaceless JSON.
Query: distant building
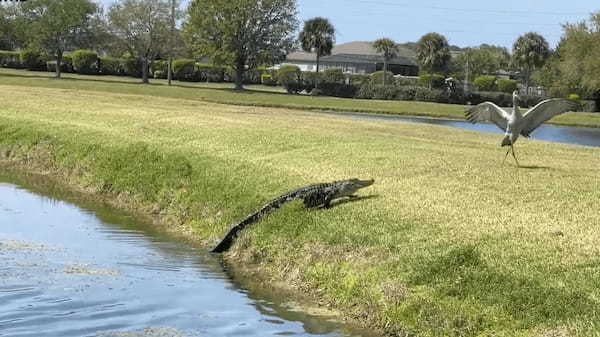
{"x":355,"y":58}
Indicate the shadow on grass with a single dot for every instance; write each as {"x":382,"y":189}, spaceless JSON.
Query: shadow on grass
{"x":535,"y":167}
{"x":351,"y":200}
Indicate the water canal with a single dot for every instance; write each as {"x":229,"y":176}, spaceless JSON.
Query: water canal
{"x":75,"y":268}
{"x":550,"y":133}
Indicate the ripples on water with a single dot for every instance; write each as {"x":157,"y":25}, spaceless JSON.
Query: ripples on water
{"x":69,"y":271}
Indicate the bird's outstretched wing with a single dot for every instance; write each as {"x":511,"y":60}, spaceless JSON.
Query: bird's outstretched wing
{"x":490,"y":112}
{"x":544,"y":111}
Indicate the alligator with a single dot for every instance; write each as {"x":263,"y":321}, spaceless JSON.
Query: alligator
{"x":313,"y":196}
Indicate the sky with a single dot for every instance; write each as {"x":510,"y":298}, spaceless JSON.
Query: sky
{"x":464,"y":22}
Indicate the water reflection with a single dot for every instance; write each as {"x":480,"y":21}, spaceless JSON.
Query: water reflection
{"x":546,"y":132}
{"x":80,"y":270}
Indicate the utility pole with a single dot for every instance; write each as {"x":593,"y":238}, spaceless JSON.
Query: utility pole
{"x":171,"y":38}
{"x":466,"y":85}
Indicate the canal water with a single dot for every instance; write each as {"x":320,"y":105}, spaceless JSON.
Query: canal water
{"x":74,"y":268}
{"x":546,"y":132}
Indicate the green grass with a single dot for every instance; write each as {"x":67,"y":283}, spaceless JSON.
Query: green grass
{"x":449,"y":242}
{"x":256,"y":95}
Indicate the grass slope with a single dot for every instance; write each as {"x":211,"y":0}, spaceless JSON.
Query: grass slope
{"x":257,"y":96}
{"x":449,"y":243}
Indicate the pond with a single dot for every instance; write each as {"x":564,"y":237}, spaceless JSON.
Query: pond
{"x":546,"y":132}
{"x":76,"y":268}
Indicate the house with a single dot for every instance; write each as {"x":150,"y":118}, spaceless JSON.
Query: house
{"x":356,"y":58}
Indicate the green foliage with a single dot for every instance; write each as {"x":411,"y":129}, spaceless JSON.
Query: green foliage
{"x":85,"y":62}
{"x":430,"y":95}
{"x":334,"y":75}
{"x":289,"y":74}
{"x":159,"y":65}
{"x":65,"y":67}
{"x":406,"y":93}
{"x":51,"y":24}
{"x":506,"y":86}
{"x":530,"y":52}
{"x":132,"y":66}
{"x":388,"y":49}
{"x":110,"y":66}
{"x":311,"y":78}
{"x":432,"y":81}
{"x":185,"y":70}
{"x":485,"y":83}
{"x":210,"y":73}
{"x":408,"y":81}
{"x":10,"y":59}
{"x":359,"y":79}
{"x":574,"y":97}
{"x":377,"y":78}
{"x":227,"y":32}
{"x":267,"y":79}
{"x":483,"y":60}
{"x":498,"y":98}
{"x":33,"y":59}
{"x":433,"y":53}
{"x":338,"y":89}
{"x":317,"y":36}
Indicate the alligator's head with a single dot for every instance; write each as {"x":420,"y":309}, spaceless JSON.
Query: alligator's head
{"x":349,"y":187}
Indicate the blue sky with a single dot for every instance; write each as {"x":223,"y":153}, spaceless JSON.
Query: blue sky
{"x":463,"y":22}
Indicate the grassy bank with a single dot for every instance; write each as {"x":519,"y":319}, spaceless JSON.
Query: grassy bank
{"x":257,"y":95}
{"x":450,"y":242}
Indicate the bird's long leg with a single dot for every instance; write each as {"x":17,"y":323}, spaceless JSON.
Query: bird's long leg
{"x":513,"y":154}
{"x":507,"y":151}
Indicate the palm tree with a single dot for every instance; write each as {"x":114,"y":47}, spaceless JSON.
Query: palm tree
{"x":318,"y":36}
{"x":530,"y":52}
{"x":433,"y":53}
{"x":389,"y":50}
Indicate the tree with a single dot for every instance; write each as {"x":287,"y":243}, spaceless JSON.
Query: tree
{"x":482,"y":60}
{"x":388,"y":49}
{"x":143,"y":27}
{"x":530,"y":52}
{"x":243,"y":34}
{"x":52,"y":25}
{"x":317,"y":36}
{"x":433,"y":53}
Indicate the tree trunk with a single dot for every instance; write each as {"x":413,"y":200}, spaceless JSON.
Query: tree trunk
{"x":239,"y":75}
{"x":145,"y":70}
{"x":59,"y":57}
{"x":384,"y":72}
{"x":317,"y":77}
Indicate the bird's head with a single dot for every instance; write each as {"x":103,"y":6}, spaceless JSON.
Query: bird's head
{"x":516,"y":97}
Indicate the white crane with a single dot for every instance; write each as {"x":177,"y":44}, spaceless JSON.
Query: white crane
{"x":515,"y":124}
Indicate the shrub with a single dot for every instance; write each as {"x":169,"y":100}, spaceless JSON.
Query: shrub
{"x":366,"y":91}
{"x":310,"y":78}
{"x":132,"y":66}
{"x":289,"y":74}
{"x":85,"y":62}
{"x":432,"y":81}
{"x":66,"y":66}
{"x":387,"y":92}
{"x":507,"y":86}
{"x":498,"y":98}
{"x":406,"y":93}
{"x":337,"y":89}
{"x":431,"y":95}
{"x":334,"y":75}
{"x":294,"y":87}
{"x":210,"y":73}
{"x":407,"y":81}
{"x":267,"y":79}
{"x":32,"y":60}
{"x":253,"y":76}
{"x":359,"y":79}
{"x":528,"y":101}
{"x":10,"y":59}
{"x":161,"y":66}
{"x":574,"y":97}
{"x":110,"y":66}
{"x":377,"y":77}
{"x":485,"y":83}
{"x":185,"y":70}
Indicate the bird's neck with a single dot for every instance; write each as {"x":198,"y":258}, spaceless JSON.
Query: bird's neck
{"x":516,"y":111}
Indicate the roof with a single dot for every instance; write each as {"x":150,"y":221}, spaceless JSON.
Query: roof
{"x":356,"y":52}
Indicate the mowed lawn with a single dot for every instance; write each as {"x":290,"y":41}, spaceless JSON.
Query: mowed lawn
{"x":447,"y":242}
{"x":257,"y":95}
